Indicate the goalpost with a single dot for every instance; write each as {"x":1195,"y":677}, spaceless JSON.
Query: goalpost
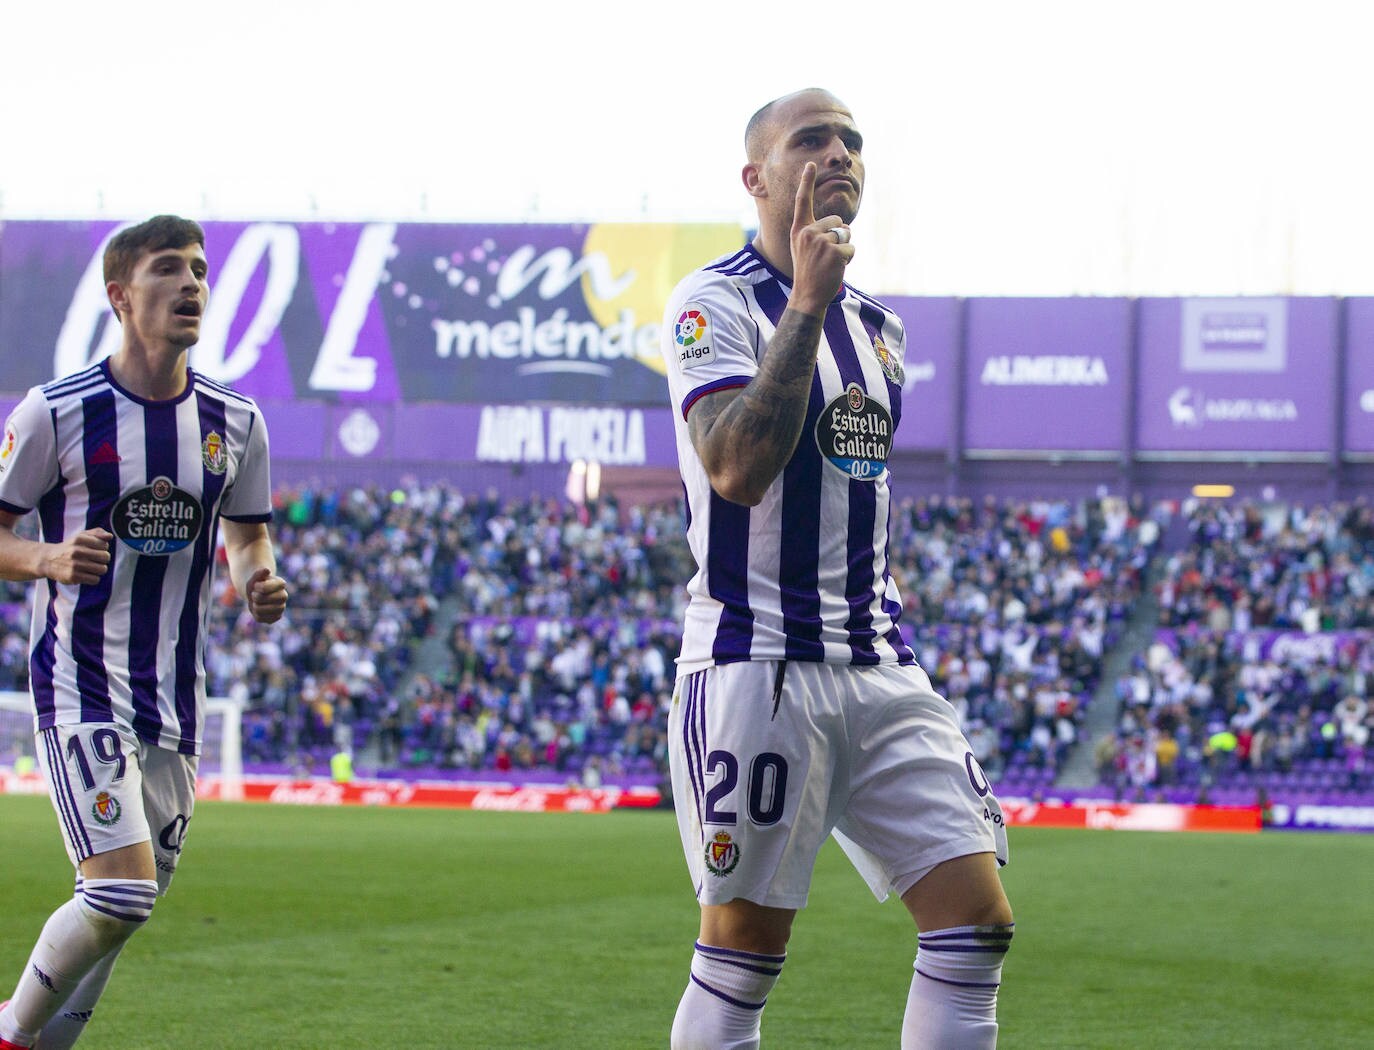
{"x":221,"y":753}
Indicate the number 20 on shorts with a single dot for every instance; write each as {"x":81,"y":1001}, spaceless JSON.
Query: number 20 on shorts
{"x":767,"y":788}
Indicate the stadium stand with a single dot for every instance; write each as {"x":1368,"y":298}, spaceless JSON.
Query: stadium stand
{"x":437,"y":633}
{"x":564,"y":622}
{"x":1257,"y":680}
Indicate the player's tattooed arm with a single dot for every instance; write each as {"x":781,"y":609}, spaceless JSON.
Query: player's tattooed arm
{"x":745,"y":437}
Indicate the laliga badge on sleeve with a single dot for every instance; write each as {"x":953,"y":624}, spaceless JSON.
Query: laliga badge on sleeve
{"x":692,"y":336}
{"x":7,"y":447}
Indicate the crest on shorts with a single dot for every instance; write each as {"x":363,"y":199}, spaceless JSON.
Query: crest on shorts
{"x":892,"y":368}
{"x":106,"y":809}
{"x":212,"y":453}
{"x":722,"y":855}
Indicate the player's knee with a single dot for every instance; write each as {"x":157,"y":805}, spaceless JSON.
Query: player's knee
{"x":746,"y":926}
{"x":995,"y":913}
{"x":116,"y":908}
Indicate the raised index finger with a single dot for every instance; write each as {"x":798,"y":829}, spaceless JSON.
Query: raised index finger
{"x":805,"y":213}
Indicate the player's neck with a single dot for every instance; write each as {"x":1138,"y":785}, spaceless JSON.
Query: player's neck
{"x":152,"y":374}
{"x":776,"y":251}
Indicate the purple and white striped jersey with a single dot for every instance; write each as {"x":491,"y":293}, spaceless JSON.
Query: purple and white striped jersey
{"x":804,"y":575}
{"x":158,"y":474}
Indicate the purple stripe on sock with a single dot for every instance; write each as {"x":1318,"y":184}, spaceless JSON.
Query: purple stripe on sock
{"x":736,"y":953}
{"x":125,"y":916}
{"x":998,"y":949}
{"x":957,"y":984}
{"x":122,"y":895}
{"x":772,"y":971}
{"x":727,"y":998}
{"x":966,"y":936}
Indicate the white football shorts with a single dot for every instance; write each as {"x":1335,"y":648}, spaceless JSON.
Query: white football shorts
{"x":111,"y":789}
{"x":769,"y":758}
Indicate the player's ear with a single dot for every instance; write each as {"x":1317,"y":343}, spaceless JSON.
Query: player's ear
{"x":752,"y":175}
{"x":119,"y":299}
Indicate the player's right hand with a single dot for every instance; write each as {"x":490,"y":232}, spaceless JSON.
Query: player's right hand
{"x":84,"y":558}
{"x":818,"y":258}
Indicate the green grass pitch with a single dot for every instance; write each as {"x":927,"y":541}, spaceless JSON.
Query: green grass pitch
{"x":326,"y":929}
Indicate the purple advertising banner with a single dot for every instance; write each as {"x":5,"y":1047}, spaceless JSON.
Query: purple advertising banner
{"x":1046,"y":375}
{"x":1290,"y":648}
{"x":620,"y":435}
{"x":1359,"y":377}
{"x":380,"y":312}
{"x":1236,"y":375}
{"x":929,"y":390}
{"x":1339,"y":812}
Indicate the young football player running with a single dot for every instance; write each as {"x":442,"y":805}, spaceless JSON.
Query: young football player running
{"x":134,"y":466}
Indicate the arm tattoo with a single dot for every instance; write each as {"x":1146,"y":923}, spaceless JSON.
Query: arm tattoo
{"x":752,"y":433}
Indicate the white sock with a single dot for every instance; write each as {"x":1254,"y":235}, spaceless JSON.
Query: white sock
{"x":101,"y":916}
{"x":67,"y":1025}
{"x":723,"y":1004}
{"x":953,"y":1000}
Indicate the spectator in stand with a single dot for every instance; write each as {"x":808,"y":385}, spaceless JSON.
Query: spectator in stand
{"x":567,"y":616}
{"x":1269,"y":611}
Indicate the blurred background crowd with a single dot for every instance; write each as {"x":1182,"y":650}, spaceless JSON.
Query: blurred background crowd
{"x":1174,"y":648}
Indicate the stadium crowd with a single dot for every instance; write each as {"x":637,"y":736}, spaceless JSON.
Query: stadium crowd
{"x":1260,"y":673}
{"x":1011,"y":607}
{"x":562,"y":622}
{"x":567,"y":625}
{"x":367,"y":572}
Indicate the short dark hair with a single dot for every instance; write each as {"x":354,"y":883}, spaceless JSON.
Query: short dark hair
{"x":753,"y":131}
{"x":157,"y":234}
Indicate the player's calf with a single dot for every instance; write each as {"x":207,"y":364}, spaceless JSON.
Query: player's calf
{"x":100,"y":917}
{"x":115,"y":908}
{"x":723,"y":1004}
{"x":953,"y":997}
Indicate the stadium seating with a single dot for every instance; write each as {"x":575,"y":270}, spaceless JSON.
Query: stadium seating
{"x":1259,"y":675}
{"x":439,"y":633}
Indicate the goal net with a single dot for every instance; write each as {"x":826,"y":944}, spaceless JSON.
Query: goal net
{"x":221,"y":752}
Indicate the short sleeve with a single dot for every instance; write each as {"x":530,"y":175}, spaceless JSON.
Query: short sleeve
{"x":249,"y":499}
{"x":28,"y":454}
{"x":709,"y":340}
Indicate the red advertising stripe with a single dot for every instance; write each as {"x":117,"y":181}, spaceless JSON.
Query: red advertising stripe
{"x":1127,"y":816}
{"x":12,"y":783}
{"x":523,"y":799}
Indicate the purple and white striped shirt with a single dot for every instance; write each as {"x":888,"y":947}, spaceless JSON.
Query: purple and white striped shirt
{"x":159,"y":475}
{"x":804,"y":575}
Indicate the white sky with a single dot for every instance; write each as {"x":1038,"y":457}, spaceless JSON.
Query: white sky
{"x":1111,"y":147}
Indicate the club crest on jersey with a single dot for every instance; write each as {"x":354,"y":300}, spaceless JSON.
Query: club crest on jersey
{"x":854,"y":435}
{"x":892,"y":368}
{"x":722,"y":855}
{"x":213,"y":454}
{"x":106,"y":809}
{"x":157,"y":519}
{"x":692,"y":336}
